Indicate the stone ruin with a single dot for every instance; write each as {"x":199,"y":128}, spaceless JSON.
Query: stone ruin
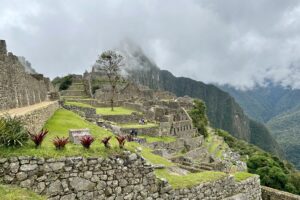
{"x":17,"y":87}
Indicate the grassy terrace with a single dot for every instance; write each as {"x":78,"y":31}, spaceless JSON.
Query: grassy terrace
{"x":137,"y":125}
{"x":14,"y":193}
{"x":104,"y":110}
{"x":190,"y":179}
{"x":117,"y":111}
{"x":240,"y":176}
{"x":165,"y":139}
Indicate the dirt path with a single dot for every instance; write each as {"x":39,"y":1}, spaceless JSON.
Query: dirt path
{"x":27,"y":109}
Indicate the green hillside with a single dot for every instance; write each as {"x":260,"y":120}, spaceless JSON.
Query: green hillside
{"x":286,"y":130}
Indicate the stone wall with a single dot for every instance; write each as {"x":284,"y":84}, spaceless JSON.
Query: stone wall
{"x":125,"y":176}
{"x":85,"y":112}
{"x":133,"y":118}
{"x":273,"y":194}
{"x":35,"y":120}
{"x":18,"y":88}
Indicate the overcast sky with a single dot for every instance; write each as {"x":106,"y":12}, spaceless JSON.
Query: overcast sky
{"x":233,"y":41}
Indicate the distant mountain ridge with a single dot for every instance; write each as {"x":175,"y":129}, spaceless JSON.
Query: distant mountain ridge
{"x":222,"y":110}
{"x":279,"y":108}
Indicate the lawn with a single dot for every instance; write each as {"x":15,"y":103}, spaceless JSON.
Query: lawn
{"x":14,"y":193}
{"x":165,"y":139}
{"x":116,"y":111}
{"x":59,"y":125}
{"x":103,"y":110}
{"x":189,"y":180}
{"x":240,"y":176}
{"x":138,"y":126}
{"x":84,"y":105}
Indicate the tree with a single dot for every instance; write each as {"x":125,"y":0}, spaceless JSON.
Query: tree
{"x":198,"y":115}
{"x":110,"y":62}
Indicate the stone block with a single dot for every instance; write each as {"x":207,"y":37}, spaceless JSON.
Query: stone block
{"x":76,"y":134}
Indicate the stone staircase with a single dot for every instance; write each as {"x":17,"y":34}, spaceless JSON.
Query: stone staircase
{"x":75,"y":92}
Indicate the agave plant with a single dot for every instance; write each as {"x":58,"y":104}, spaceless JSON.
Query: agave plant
{"x":121,"y":139}
{"x":60,"y":143}
{"x":86,"y":141}
{"x":38,"y":137}
{"x":105,"y":141}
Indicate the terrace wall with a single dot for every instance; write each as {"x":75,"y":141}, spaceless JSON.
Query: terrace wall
{"x":273,"y":194}
{"x":126,"y":176}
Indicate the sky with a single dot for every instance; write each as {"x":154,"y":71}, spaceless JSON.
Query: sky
{"x":241,"y":43}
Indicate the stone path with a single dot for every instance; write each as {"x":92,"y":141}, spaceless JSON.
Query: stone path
{"x":27,"y":109}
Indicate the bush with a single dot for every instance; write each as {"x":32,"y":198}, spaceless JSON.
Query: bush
{"x":12,"y":132}
{"x":86,"y":141}
{"x":198,"y":115}
{"x":38,"y":138}
{"x":105,"y":141}
{"x":60,"y":143}
{"x":121,"y":139}
{"x":63,"y":83}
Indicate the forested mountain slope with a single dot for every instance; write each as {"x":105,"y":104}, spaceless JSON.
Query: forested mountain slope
{"x":223,"y":112}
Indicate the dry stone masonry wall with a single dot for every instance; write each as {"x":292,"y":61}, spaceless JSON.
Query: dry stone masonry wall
{"x":273,"y":194}
{"x":126,"y":176}
{"x":18,"y":88}
{"x":35,"y":120}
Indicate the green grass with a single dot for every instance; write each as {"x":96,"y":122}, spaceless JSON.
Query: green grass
{"x":165,"y":139}
{"x":138,"y":126}
{"x":84,"y":105}
{"x":189,"y":180}
{"x":117,"y":111}
{"x":59,"y":125}
{"x":240,"y":176}
{"x":14,"y":193}
{"x":104,"y":110}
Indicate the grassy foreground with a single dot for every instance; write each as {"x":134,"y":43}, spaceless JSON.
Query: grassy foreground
{"x":14,"y":193}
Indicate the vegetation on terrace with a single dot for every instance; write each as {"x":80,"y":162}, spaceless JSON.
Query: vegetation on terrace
{"x":137,"y":125}
{"x":15,"y":193}
{"x":273,"y":172}
{"x":103,"y":110}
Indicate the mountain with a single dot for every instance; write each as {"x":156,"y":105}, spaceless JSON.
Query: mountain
{"x":264,"y":103}
{"x":222,"y":110}
{"x":279,"y":108}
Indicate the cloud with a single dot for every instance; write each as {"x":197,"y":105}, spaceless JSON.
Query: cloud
{"x":242,"y":43}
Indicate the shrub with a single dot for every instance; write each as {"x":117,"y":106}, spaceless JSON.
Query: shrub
{"x":198,"y":115}
{"x":121,"y":139}
{"x":38,"y":138}
{"x":105,"y":141}
{"x":60,"y":143}
{"x":86,"y":141}
{"x":12,"y":132}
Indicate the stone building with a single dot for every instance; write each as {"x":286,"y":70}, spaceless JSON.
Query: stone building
{"x":17,"y":87}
